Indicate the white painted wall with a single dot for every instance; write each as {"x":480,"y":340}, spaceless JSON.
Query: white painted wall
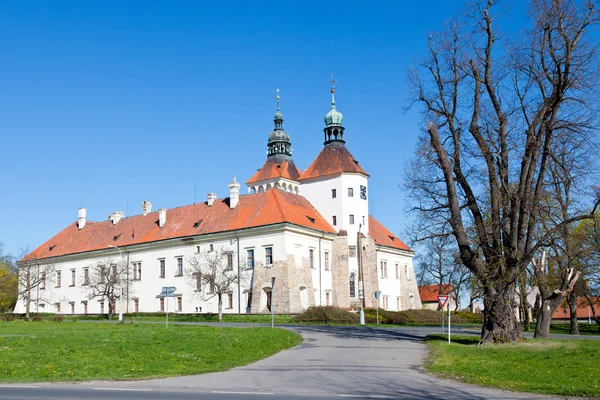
{"x":398,"y":287}
{"x":147,"y":289}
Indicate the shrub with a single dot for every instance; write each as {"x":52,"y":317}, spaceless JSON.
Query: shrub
{"x":476,"y":318}
{"x":36,"y":318}
{"x":326,"y":315}
{"x":7,"y":318}
{"x":57,"y":318}
{"x":385,"y":317}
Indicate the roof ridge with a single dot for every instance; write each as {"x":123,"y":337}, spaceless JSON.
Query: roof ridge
{"x":278,"y":204}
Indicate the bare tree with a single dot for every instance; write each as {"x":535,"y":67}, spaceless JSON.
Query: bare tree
{"x":34,"y":274}
{"x":567,"y":179}
{"x":106,"y":279}
{"x":438,"y":264}
{"x":213,"y":274}
{"x":492,"y":114}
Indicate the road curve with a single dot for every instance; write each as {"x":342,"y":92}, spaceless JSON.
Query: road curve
{"x":331,"y":363}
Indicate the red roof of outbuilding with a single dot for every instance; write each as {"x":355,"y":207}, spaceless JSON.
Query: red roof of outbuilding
{"x":431,"y":292}
{"x":583,"y":309}
{"x":271,"y":207}
{"x":333,"y":159}
{"x":272,"y":169}
{"x":383,"y":236}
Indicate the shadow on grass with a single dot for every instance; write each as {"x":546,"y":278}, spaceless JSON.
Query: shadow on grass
{"x":467,"y":341}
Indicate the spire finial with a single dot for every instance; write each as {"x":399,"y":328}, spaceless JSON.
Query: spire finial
{"x":332,"y":90}
{"x":277,"y":97}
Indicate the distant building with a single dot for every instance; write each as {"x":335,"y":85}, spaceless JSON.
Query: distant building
{"x":429,"y":296}
{"x":584,"y":311}
{"x":305,"y":228}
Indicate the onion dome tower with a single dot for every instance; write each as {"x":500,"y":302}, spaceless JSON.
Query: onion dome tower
{"x":334,"y":131}
{"x":279,"y":171}
{"x":279,"y":145}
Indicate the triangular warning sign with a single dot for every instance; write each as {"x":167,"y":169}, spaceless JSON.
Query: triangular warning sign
{"x":442,"y":300}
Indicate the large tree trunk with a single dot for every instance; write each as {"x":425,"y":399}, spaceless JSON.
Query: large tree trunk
{"x":572,"y":300}
{"x":500,"y":323}
{"x":220,"y":307}
{"x":542,"y":327}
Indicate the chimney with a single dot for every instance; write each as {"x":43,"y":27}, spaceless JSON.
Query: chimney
{"x":116,"y":216}
{"x":162,"y":217}
{"x":81,"y":220}
{"x":211,"y":198}
{"x":146,"y":207}
{"x":234,"y":193}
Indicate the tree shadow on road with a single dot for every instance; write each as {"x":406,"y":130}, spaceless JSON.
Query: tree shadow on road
{"x":366,"y":333}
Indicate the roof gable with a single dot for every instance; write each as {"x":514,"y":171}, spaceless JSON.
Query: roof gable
{"x":261,"y":209}
{"x":383,"y":236}
{"x":332,"y":159}
{"x":272,"y":169}
{"x":431,"y":292}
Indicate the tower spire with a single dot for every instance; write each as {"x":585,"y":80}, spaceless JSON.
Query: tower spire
{"x":332,"y":90}
{"x":277,"y":97}
{"x":334,"y":131}
{"x":279,"y":144}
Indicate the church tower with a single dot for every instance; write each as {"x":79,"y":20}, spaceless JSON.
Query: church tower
{"x":335,"y":183}
{"x":279,"y":171}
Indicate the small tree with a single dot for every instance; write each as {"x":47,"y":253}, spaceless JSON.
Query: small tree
{"x":106,"y":279}
{"x":33,"y":275}
{"x":9,"y":282}
{"x":213,"y":274}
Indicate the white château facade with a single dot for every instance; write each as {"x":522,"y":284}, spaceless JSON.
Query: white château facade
{"x":310,"y":230}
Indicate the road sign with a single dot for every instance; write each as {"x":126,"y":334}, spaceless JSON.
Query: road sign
{"x":377,"y":294}
{"x":167,"y":291}
{"x":442,"y":300}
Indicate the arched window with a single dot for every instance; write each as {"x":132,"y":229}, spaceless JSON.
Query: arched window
{"x":352,"y":285}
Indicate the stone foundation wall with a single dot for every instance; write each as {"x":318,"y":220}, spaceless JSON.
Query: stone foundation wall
{"x":288,"y":280}
{"x":370,"y":271}
{"x":340,"y":276}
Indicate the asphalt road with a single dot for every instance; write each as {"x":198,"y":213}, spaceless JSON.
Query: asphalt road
{"x":331,"y":363}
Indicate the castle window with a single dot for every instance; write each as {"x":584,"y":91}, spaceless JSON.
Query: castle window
{"x":352,"y":285}
{"x":350,"y":192}
{"x":351,"y":219}
{"x":333,"y":193}
{"x":334,"y":220}
{"x":268,"y":255}
{"x":250,"y":258}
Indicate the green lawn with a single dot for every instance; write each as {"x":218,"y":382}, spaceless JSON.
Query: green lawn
{"x":559,"y":367}
{"x":74,"y":351}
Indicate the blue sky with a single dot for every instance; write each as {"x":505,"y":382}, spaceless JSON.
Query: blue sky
{"x":106,"y":104}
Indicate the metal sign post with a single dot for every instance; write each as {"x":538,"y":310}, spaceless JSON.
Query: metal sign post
{"x":167,"y":291}
{"x":442,"y":302}
{"x":448,"y":322}
{"x":272,"y":303}
{"x":377,"y":295}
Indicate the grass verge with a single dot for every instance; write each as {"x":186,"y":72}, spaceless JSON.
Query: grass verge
{"x":558,"y":367}
{"x":54,"y":351}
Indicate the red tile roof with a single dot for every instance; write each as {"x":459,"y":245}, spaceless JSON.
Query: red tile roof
{"x":273,"y":169}
{"x":384,"y":237}
{"x":582,"y":309}
{"x":430,"y":293}
{"x":271,"y":207}
{"x":333,"y":159}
